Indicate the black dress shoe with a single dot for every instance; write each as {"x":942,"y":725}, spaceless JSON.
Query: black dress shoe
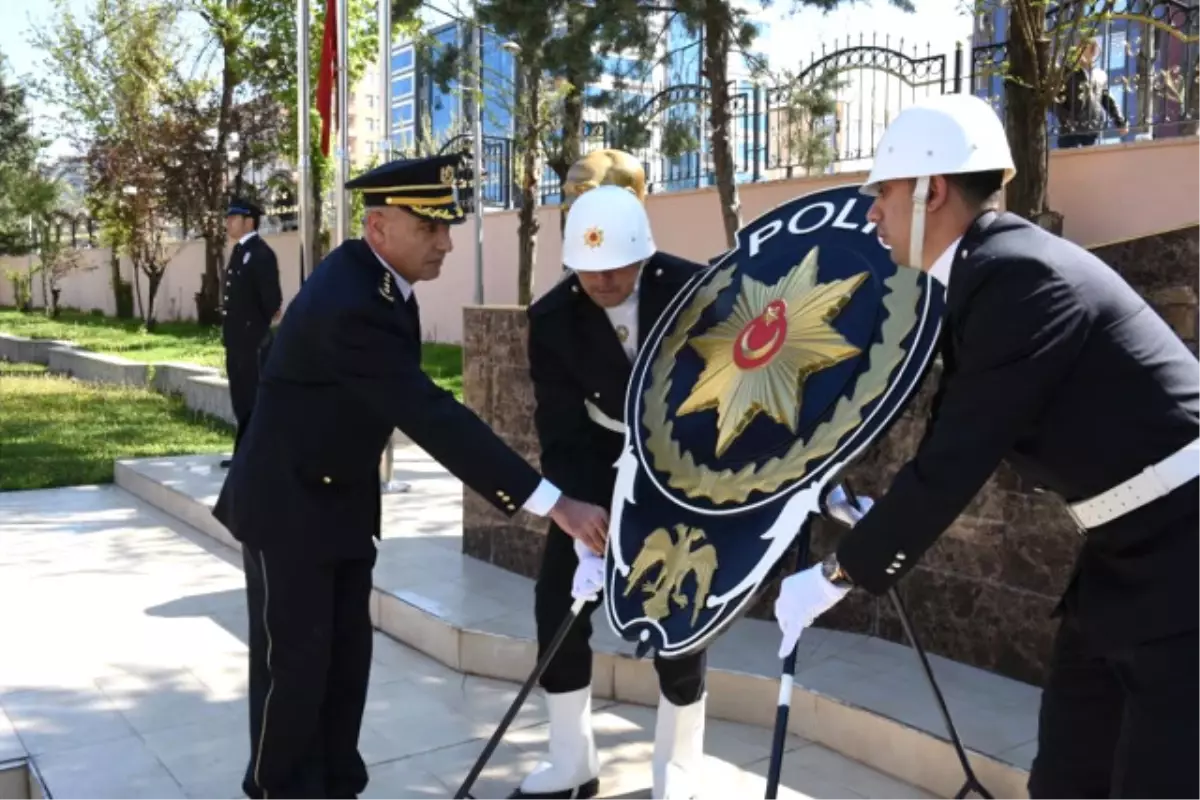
{"x":226,"y":462}
{"x":589,"y":789}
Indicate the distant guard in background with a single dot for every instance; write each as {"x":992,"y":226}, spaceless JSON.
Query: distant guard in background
{"x":583,"y":336}
{"x":251,"y":302}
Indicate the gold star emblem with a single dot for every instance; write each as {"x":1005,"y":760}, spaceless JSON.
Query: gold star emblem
{"x":593,"y":237}
{"x":756,"y":360}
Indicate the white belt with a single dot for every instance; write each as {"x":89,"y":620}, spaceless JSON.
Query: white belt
{"x":1155,"y":481}
{"x":603,"y":420}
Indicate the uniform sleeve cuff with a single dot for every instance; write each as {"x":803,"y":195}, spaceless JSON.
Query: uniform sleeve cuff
{"x":543,"y":498}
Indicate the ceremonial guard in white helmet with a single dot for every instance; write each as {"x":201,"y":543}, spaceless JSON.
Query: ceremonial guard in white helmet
{"x":1053,"y":363}
{"x":583,"y":336}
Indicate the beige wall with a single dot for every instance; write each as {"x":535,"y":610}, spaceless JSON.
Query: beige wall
{"x":1107,"y":194}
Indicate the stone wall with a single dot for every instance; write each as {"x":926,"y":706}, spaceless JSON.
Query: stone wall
{"x":981,"y":595}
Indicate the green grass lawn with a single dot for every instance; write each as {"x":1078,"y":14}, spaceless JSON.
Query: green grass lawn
{"x":59,"y":432}
{"x":179,"y":341}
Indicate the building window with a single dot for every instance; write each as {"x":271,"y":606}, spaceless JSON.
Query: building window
{"x":402,"y":88}
{"x":402,"y":114}
{"x":402,"y":140}
{"x":402,"y":59}
{"x":1116,"y":51}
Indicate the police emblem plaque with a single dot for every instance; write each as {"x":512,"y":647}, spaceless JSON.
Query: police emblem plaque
{"x":766,"y":377}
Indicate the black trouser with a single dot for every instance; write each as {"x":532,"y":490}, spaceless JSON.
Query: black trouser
{"x":1120,"y":723}
{"x":681,"y":680}
{"x":310,"y":658}
{"x":242,"y":370}
{"x":1066,"y":140}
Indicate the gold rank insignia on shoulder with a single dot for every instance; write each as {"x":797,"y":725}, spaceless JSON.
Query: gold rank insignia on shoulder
{"x":387,"y":287}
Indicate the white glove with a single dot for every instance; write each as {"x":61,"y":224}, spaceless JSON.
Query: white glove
{"x":589,"y":575}
{"x":839,"y":507}
{"x":802,"y":598}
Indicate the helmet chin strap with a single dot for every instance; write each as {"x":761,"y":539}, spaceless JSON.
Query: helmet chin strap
{"x":916,"y":243}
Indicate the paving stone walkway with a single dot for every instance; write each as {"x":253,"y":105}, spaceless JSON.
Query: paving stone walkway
{"x":123,"y":674}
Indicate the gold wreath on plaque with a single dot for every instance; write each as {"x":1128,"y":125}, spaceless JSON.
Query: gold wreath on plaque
{"x":725,"y":486}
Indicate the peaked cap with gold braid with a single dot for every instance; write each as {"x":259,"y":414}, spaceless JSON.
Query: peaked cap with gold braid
{"x":426,"y":187}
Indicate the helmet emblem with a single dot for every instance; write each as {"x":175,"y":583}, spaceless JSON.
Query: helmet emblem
{"x":593,"y":237}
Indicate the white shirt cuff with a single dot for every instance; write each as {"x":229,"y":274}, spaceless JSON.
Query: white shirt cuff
{"x":543,"y":498}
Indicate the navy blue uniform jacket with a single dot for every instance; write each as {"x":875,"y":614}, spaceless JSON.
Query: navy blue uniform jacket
{"x":1052,"y":362}
{"x":343,"y":372}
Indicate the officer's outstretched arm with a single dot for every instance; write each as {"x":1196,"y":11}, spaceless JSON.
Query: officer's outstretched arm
{"x":1019,"y":336}
{"x":367,"y":350}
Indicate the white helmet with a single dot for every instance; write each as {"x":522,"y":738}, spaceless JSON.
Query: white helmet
{"x":607,"y":228}
{"x":948,"y":134}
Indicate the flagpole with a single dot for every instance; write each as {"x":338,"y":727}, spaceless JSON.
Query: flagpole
{"x":304,"y":144}
{"x":476,"y":65}
{"x":387,"y":485}
{"x":342,"y":224}
{"x":385,"y":78}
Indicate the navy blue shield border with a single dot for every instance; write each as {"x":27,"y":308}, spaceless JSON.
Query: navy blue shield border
{"x":775,"y":520}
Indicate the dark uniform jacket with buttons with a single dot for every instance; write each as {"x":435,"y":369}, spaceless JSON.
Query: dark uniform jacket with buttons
{"x":252,"y":294}
{"x":576,"y":360}
{"x":344,"y":372}
{"x":1054,"y":363}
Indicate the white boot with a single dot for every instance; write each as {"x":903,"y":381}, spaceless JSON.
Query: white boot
{"x":678,"y":750}
{"x":572,"y":768}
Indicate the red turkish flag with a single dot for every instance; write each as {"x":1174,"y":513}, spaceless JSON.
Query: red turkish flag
{"x":327,"y":74}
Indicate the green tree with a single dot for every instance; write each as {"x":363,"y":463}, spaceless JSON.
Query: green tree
{"x":728,"y":30}
{"x":561,"y":44}
{"x":106,"y":71}
{"x":1044,"y":46}
{"x":272,"y":48}
{"x":18,"y":148}
{"x":38,"y":203}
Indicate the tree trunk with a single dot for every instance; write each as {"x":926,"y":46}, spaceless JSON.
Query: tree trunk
{"x":46,"y":304}
{"x":121,"y":289}
{"x":716,"y":60}
{"x":1026,"y":95}
{"x":572,"y":131}
{"x":572,"y":134}
{"x":137,"y":291}
{"x":527,"y":231}
{"x":154,"y":278}
{"x":208,"y":299}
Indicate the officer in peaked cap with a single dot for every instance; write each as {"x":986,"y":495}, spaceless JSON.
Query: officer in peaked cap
{"x":583,"y":336}
{"x":250,"y":303}
{"x":302,"y":495}
{"x":1055,"y":364}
